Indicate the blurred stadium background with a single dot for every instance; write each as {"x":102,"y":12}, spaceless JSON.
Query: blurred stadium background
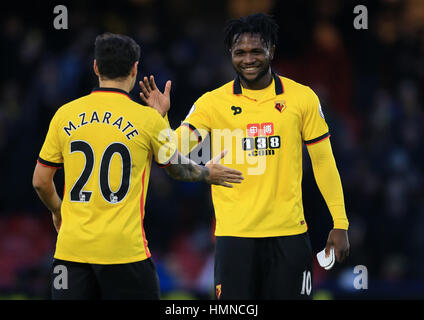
{"x":370,"y":83}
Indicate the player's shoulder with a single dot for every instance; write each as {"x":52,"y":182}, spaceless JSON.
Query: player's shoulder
{"x":67,"y":107}
{"x":146,"y":111}
{"x":292,"y":85}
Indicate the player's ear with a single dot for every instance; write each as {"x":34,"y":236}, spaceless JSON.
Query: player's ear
{"x":134,"y":69}
{"x":95,"y":68}
{"x":271,"y":52}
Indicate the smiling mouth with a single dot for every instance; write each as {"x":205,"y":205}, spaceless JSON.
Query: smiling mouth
{"x":250,"y":69}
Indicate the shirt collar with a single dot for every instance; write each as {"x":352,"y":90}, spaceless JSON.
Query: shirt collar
{"x":279,"y":89}
{"x":116,"y":90}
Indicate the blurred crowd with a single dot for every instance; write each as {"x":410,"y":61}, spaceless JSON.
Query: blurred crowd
{"x":370,"y":83}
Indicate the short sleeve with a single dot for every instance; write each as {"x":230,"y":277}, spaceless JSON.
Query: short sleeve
{"x":314,"y":126}
{"x":163,"y":142}
{"x":51,"y":151}
{"x":196,"y":126}
{"x":198,"y":118}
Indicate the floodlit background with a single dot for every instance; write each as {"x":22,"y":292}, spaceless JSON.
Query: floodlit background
{"x":370,"y":83}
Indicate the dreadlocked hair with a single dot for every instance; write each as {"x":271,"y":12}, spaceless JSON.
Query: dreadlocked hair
{"x":258,"y":23}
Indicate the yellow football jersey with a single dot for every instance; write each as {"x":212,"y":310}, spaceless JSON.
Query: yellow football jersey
{"x":264,"y":131}
{"x":105,"y":142}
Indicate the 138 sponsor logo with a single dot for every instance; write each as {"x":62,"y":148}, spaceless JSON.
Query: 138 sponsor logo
{"x":261,"y":140}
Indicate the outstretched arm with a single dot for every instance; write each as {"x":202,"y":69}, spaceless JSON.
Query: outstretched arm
{"x":212,"y":173}
{"x":328,"y":180}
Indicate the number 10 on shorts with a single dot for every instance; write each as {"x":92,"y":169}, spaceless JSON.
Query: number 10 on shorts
{"x":306,"y":283}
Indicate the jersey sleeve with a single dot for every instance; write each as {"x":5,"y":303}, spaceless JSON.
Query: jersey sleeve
{"x":314,"y":126}
{"x":51,"y":151}
{"x":329,"y":183}
{"x":163,"y":142}
{"x":195,"y":127}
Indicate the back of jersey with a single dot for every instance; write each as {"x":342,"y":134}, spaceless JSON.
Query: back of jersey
{"x":105,"y":142}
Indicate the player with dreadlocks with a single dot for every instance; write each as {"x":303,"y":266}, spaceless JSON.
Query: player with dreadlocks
{"x":262,"y":248}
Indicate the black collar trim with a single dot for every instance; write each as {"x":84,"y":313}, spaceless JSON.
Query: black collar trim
{"x":100,"y":89}
{"x":279,"y":88}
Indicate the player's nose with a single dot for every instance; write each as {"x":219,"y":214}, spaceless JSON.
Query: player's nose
{"x":249,"y":59}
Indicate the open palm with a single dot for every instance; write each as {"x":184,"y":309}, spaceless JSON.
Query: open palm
{"x":153,"y":97}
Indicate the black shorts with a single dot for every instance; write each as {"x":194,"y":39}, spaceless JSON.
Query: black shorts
{"x":83,"y":281}
{"x":263,"y":268}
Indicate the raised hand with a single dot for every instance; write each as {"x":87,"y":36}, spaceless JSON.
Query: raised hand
{"x":153,"y":97}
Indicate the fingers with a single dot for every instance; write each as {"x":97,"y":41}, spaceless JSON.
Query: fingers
{"x":147,"y":84}
{"x":338,"y":254}
{"x":168,"y":87}
{"x":233,"y":180}
{"x":232,"y":171}
{"x":144,"y":90}
{"x":226,"y":179}
{"x":152,"y":82}
{"x":227,"y":172}
{"x":143,"y":98}
{"x":327,"y":249}
{"x":234,"y":176}
{"x":343,"y":254}
{"x":224,"y":184}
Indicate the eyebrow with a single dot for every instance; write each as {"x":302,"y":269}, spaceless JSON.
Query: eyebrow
{"x":237,"y":49}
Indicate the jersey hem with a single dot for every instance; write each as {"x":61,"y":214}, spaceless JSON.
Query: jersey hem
{"x":82,"y":260}
{"x":49,"y":164}
{"x":262,"y":235}
{"x":317,"y":140}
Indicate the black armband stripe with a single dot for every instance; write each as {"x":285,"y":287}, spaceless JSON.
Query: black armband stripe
{"x":193,"y":128}
{"x":316,"y":140}
{"x":49,"y":164}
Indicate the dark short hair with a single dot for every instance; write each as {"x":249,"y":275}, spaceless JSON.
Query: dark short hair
{"x":115,"y":55}
{"x":258,"y":23}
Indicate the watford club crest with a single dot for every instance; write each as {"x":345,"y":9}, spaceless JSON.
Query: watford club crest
{"x":280,"y":105}
{"x":218,"y":291}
